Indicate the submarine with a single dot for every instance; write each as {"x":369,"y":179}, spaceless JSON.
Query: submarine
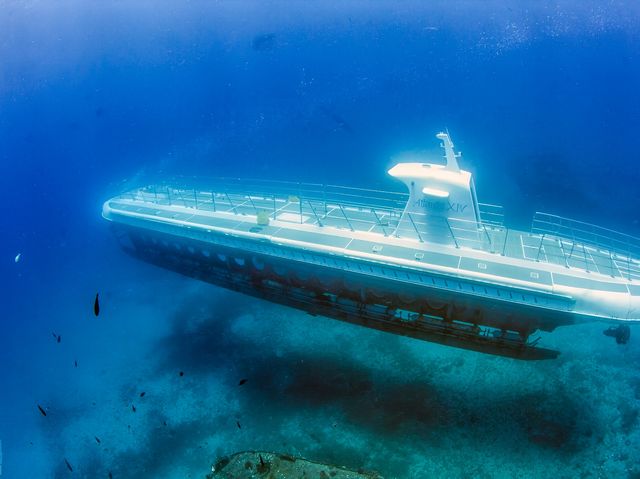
{"x":431,"y":263}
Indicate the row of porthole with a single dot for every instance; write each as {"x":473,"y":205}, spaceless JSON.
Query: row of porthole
{"x":257,"y":263}
{"x":190,"y":249}
{"x":239,"y":261}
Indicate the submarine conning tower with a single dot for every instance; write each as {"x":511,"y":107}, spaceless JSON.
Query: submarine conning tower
{"x":442,"y":202}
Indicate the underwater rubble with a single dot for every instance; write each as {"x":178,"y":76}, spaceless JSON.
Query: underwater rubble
{"x":255,"y":464}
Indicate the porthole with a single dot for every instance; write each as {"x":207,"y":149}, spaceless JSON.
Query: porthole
{"x":257,"y":263}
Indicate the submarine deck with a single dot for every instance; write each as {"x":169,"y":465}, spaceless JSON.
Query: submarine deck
{"x":346,"y":223}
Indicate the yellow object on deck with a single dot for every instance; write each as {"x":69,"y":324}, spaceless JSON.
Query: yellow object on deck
{"x":263,"y":218}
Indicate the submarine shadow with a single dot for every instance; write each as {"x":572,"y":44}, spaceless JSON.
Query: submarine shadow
{"x":395,"y":408}
{"x":390,"y":405}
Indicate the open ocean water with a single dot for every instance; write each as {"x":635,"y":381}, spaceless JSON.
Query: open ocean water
{"x":542,"y":98}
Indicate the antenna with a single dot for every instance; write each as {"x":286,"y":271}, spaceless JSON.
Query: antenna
{"x":449,"y":153}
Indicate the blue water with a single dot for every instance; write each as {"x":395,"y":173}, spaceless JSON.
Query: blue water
{"x":541,"y":97}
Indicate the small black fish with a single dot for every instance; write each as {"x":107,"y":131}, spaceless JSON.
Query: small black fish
{"x":181,"y":373}
{"x":55,"y":336}
{"x":261,"y":460}
{"x":164,"y":423}
{"x":59,"y":338}
{"x":142,"y":394}
{"x":110,"y":475}
{"x":133,"y":408}
{"x":242,"y":381}
{"x":75,"y":363}
{"x":68,"y":465}
{"x":96,"y":306}
{"x":97,"y":439}
{"x":42,"y":411}
{"x":238,"y":424}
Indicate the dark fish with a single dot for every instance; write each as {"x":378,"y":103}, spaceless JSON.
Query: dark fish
{"x":181,"y":373}
{"x":75,"y":363}
{"x":42,"y":411}
{"x":264,"y":42}
{"x":96,"y":305}
{"x":133,"y":408}
{"x":238,"y":424}
{"x":55,"y":336}
{"x":97,"y":439}
{"x":164,"y":423}
{"x":59,"y":338}
{"x":261,"y":460}
{"x":242,"y":381}
{"x":110,"y":475}
{"x":142,"y":394}
{"x":68,"y":465}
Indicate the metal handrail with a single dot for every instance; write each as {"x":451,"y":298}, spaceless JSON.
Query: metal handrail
{"x":491,"y":214}
{"x":567,"y":242}
{"x":583,"y":233}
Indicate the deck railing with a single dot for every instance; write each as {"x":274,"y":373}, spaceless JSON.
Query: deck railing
{"x":595,"y":248}
{"x":573,"y":244}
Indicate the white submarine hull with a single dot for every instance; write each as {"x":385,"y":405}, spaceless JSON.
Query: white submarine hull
{"x":356,"y":256}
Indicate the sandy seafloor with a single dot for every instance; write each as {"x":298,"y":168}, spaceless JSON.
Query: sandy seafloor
{"x":317,"y":388}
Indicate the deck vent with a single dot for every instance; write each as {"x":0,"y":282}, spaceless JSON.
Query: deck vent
{"x":534,"y":275}
{"x":419,"y":256}
{"x":482,"y":265}
{"x":376,"y":248}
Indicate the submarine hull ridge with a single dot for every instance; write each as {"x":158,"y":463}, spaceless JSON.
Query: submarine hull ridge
{"x":427,"y":265}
